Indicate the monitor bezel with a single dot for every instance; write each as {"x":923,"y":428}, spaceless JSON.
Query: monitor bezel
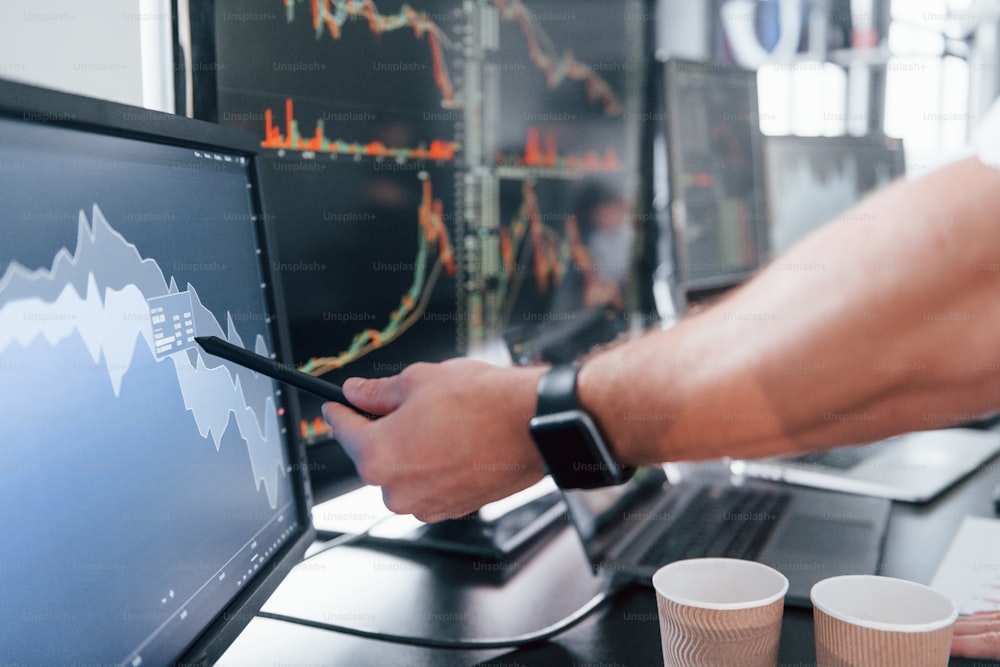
{"x":25,"y":102}
{"x":697,"y":289}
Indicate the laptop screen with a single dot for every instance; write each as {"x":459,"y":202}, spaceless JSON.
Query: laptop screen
{"x":147,"y":487}
{"x":812,"y":180}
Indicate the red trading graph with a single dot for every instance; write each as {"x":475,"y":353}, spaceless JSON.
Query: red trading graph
{"x":556,"y":67}
{"x":553,"y":253}
{"x":292,"y":139}
{"x":314,"y":428}
{"x":550,"y":253}
{"x":542,"y":151}
{"x":331,"y":15}
{"x":433,"y":241}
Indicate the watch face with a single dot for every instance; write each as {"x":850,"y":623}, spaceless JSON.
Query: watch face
{"x":574,"y":450}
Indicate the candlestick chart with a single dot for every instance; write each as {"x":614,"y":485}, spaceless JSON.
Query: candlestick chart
{"x":541,"y":151}
{"x":543,"y":258}
{"x":292,"y":140}
{"x":558,"y":67}
{"x":369,"y":269}
{"x":562,"y":89}
{"x":330,"y":17}
{"x":424,"y":160}
{"x":434,"y":255}
{"x":368,"y":80}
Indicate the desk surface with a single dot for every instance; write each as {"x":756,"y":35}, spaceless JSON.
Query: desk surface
{"x":425,"y":594}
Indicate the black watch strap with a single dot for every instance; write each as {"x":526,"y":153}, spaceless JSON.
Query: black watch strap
{"x":557,"y":390}
{"x":571,"y":444}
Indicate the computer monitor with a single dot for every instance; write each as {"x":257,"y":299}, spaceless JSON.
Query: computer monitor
{"x":718,"y":207}
{"x":812,"y":180}
{"x":565,"y":84}
{"x":152,"y":497}
{"x":448,"y":176}
{"x":356,"y":108}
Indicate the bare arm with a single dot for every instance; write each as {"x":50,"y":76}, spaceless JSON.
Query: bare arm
{"x":885,"y":321}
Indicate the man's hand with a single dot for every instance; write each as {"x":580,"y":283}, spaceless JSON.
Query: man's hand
{"x":977,"y":636}
{"x":452,"y":436}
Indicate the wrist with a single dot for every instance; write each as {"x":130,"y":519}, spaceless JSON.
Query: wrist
{"x":520,"y":400}
{"x":598,"y":394}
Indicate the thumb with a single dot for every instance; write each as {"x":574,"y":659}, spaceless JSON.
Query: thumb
{"x":347,"y":427}
{"x":378,"y":396}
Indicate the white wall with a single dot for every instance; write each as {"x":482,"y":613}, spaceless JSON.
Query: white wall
{"x":112,"y":49}
{"x":684,"y":29}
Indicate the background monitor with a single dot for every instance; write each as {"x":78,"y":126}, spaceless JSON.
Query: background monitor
{"x":447,"y":178}
{"x":812,"y":180}
{"x":717,"y":198}
{"x":152,"y":495}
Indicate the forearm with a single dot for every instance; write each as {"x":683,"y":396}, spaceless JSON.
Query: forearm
{"x":864,"y":329}
{"x":884,"y":321}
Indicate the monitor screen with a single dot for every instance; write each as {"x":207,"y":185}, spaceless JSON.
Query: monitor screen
{"x":715,"y":167}
{"x":447,"y":177}
{"x":564,"y":86}
{"x":146,"y":485}
{"x":811,"y":180}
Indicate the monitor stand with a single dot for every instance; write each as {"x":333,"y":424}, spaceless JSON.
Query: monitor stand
{"x":495,"y":532}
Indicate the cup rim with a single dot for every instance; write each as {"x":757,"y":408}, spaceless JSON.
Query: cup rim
{"x":722,"y":606}
{"x":885,"y":626}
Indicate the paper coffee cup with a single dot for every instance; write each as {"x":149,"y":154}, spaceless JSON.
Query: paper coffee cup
{"x":869,"y":620}
{"x":716,"y":612}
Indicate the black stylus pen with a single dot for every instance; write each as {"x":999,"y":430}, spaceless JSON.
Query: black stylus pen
{"x":274,"y":369}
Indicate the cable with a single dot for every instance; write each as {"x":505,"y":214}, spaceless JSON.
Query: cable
{"x":536,"y":637}
{"x":343,"y":540}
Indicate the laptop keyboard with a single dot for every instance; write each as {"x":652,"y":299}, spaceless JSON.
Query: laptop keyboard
{"x":720,"y":521}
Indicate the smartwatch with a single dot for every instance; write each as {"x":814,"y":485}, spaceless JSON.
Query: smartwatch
{"x":574,"y":451}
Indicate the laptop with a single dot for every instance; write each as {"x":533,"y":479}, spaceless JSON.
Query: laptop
{"x":152,"y":495}
{"x":914,"y":467}
{"x":671,"y":513}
